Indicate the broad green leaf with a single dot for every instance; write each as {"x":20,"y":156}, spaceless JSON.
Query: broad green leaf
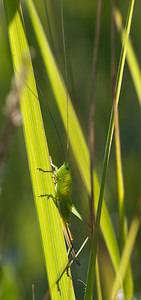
{"x":37,"y":152}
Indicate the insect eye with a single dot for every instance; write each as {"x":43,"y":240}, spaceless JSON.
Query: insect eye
{"x":67,"y":168}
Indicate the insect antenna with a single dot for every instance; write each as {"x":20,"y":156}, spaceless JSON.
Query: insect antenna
{"x":55,"y":126}
{"x":66,"y":75}
{"x":49,"y":111}
{"x":48,"y":23}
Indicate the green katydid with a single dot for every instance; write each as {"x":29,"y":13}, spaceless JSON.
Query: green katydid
{"x":63,"y":200}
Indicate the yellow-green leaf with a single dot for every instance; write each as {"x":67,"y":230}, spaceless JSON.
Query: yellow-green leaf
{"x":37,"y":153}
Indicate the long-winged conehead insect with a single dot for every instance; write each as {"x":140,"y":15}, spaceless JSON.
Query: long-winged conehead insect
{"x":63,"y":200}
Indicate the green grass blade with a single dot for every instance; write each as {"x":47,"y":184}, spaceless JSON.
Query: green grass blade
{"x":136,"y":75}
{"x":77,"y":140}
{"x":98,"y":283}
{"x":92,"y":262}
{"x":127,"y":251}
{"x":131,"y":58}
{"x":37,"y":152}
{"x":128,"y":286}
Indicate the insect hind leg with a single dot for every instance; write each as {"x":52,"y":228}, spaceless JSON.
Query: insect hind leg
{"x":74,"y":255}
{"x":49,"y":171}
{"x":58,"y":288}
{"x":67,"y":272}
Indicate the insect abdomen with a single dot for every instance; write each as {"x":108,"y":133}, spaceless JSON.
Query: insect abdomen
{"x":65,"y":208}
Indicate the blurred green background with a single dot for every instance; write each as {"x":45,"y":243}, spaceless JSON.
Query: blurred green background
{"x":21,"y":255}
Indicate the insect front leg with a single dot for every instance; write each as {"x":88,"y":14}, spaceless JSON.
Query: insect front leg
{"x":48,"y":171}
{"x":48,"y":196}
{"x":54,"y":166}
{"x":54,"y":178}
{"x":45,"y":171}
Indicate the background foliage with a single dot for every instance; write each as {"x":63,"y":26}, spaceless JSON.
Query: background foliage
{"x":22,"y":263}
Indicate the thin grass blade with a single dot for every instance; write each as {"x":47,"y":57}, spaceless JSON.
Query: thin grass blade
{"x":98,"y":283}
{"x":92,"y":262}
{"x":127,"y":251}
{"x":128,"y":286}
{"x":131,"y":57}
